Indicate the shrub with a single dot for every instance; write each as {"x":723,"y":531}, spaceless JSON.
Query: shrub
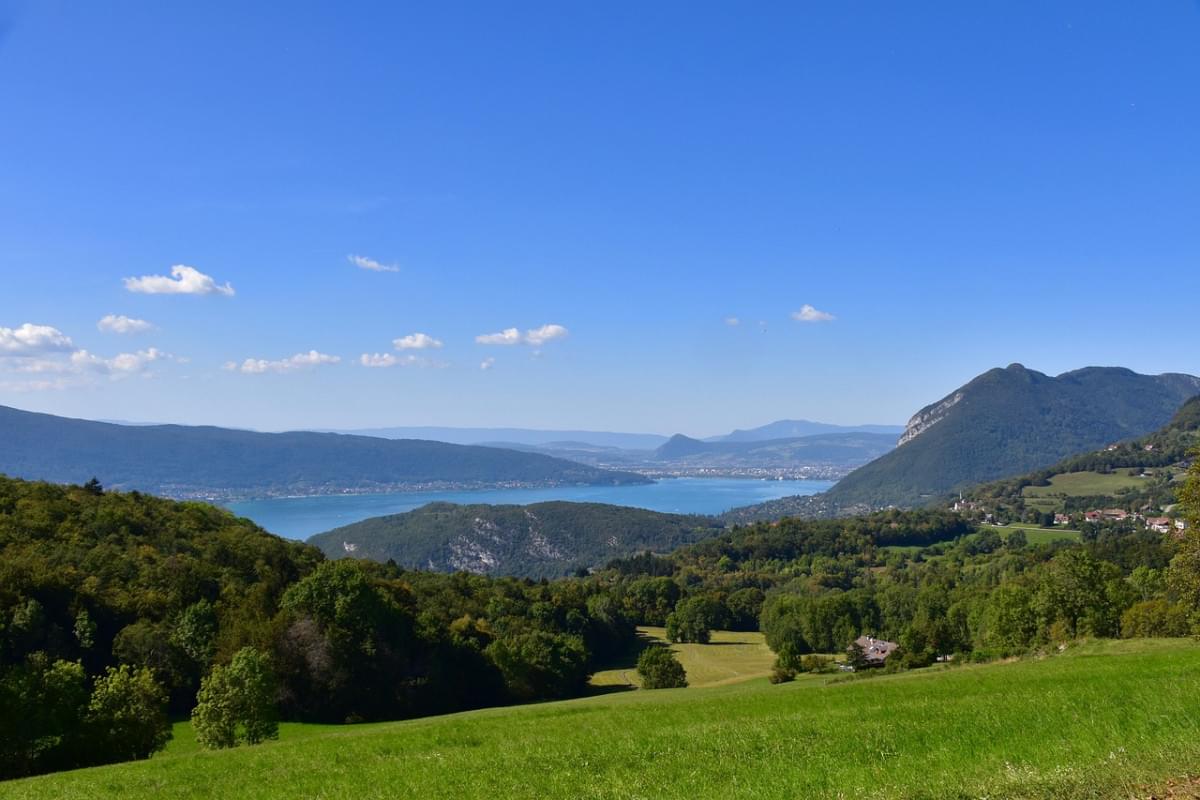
{"x":236,"y":703}
{"x":127,"y":716}
{"x":660,"y":669}
{"x":781,"y":674}
{"x":1153,"y":618}
{"x":817,"y":664}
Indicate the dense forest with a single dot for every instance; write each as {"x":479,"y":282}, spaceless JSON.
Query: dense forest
{"x":114,"y":607}
{"x":542,"y":540}
{"x":121,"y":611}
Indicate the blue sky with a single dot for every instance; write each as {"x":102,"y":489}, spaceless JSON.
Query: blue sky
{"x":959,"y":185}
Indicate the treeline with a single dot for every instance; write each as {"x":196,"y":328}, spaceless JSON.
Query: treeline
{"x":926,"y":580}
{"x":115,"y":607}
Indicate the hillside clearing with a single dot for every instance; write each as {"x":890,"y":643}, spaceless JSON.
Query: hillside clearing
{"x":730,"y":657}
{"x":1093,"y":723}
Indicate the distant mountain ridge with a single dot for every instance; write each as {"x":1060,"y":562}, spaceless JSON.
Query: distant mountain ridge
{"x":530,"y":437}
{"x":837,"y":448}
{"x":1004,"y":422}
{"x":536,"y":541}
{"x":795,"y":428}
{"x":184,"y":461}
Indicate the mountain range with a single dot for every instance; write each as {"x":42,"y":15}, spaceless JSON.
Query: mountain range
{"x":536,"y":437}
{"x":184,"y":461}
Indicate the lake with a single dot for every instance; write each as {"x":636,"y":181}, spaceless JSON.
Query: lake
{"x":301,"y":517}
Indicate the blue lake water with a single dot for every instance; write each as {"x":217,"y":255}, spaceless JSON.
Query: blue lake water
{"x":301,"y":517}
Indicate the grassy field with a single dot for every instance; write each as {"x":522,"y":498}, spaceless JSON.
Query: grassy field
{"x":729,"y":658}
{"x":1097,"y":722}
{"x":1035,"y":535}
{"x":1079,"y":484}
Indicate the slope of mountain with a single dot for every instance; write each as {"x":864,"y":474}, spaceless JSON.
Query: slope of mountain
{"x":541,"y":540}
{"x":841,"y":449}
{"x":1004,"y":422}
{"x":1139,"y":474}
{"x":204,"y":461}
{"x":793,"y":428}
{"x":1013,"y":420}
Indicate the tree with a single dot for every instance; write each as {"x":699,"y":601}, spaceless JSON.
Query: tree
{"x":693,"y":620}
{"x":856,"y":656}
{"x":236,"y":703}
{"x":126,"y":716}
{"x":1183,"y":576}
{"x":42,"y":704}
{"x":660,"y":669}
{"x":538,"y":665}
{"x":782,"y":623}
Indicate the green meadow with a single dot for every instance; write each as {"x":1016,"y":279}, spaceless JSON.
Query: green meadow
{"x":1035,"y":535}
{"x":1080,"y":484}
{"x":1102,"y":720}
{"x":730,"y":657}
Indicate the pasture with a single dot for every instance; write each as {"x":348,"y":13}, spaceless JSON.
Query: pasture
{"x":1103,"y":720}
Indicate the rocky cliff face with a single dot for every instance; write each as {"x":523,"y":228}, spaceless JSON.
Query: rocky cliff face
{"x":927,"y":417}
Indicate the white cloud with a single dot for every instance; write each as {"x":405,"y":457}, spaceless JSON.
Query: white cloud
{"x":539,"y":336}
{"x":732,"y":322}
{"x":533,"y":336}
{"x":119,"y":323}
{"x":507,"y":336}
{"x":121,"y":364}
{"x":183,"y":280}
{"x":257,"y":366}
{"x":30,"y":338}
{"x":487,"y":363}
{"x":416,"y":341}
{"x":390,"y":360}
{"x":378,"y":360}
{"x":809,"y":314}
{"x":362,"y":262}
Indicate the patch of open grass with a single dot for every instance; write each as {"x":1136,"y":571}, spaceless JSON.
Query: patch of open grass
{"x":1035,"y":535}
{"x":1079,"y":485}
{"x":730,"y":657}
{"x":1092,"y":723}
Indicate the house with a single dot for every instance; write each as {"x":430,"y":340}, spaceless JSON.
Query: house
{"x":876,"y":650}
{"x":1062,"y":519}
{"x":1159,"y":524}
{"x":1115,"y":514}
{"x":1093,"y":516}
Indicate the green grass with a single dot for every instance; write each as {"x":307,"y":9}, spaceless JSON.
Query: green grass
{"x":1092,"y":723}
{"x":1034,"y":535}
{"x":729,"y":658}
{"x":1079,"y":484}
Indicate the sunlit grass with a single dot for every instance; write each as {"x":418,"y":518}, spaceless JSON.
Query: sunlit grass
{"x":1087,"y":724}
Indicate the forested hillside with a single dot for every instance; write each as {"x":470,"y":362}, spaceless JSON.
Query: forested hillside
{"x":540,"y":540}
{"x":1004,"y":422}
{"x":182,"y":461}
{"x":114,"y":606}
{"x":1144,"y":475}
